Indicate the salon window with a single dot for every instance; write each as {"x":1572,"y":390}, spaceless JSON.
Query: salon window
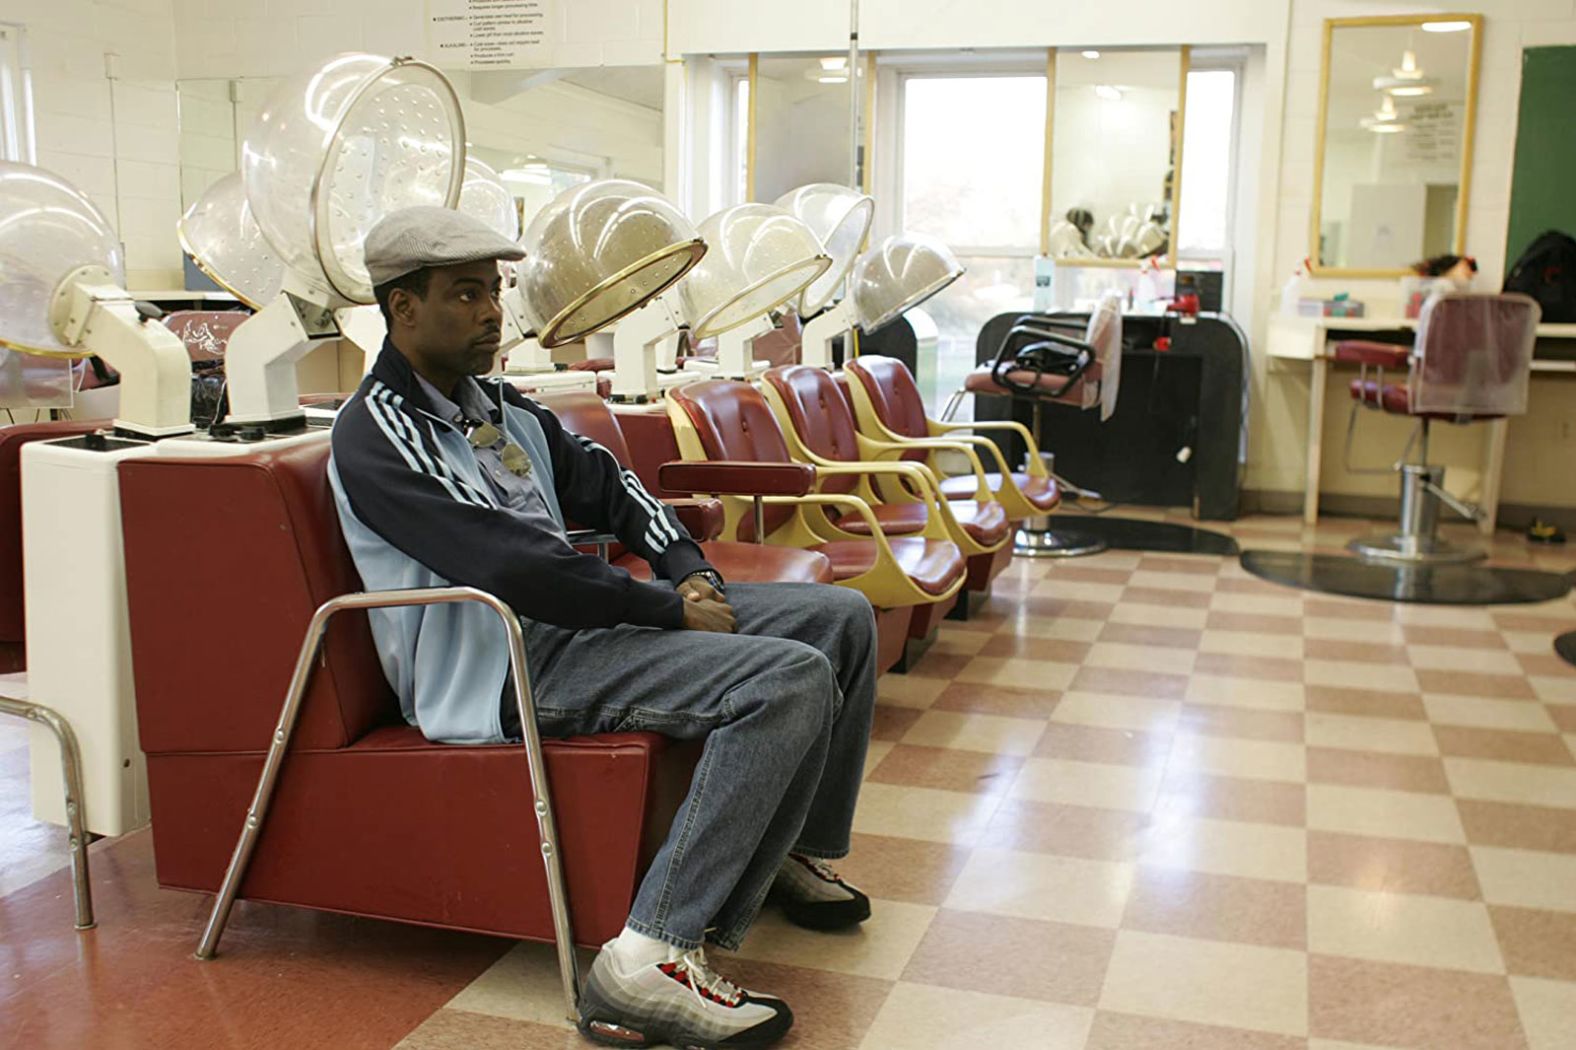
{"x":972,"y":159}
{"x":1208,"y":163}
{"x":16,"y":124}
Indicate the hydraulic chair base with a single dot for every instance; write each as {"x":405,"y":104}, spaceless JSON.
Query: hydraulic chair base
{"x":1417,"y":542}
{"x":1038,"y":539}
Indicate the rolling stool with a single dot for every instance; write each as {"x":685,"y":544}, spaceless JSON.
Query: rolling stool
{"x":1471,"y":362}
{"x":1096,"y":384}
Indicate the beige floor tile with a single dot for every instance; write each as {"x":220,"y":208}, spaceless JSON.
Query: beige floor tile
{"x":875,"y":752}
{"x":907,"y":690}
{"x":1267,"y":605}
{"x":1176,"y":581}
{"x":1077,"y":590}
{"x":1117,"y":712}
{"x":1511,"y":782}
{"x":1017,"y":672}
{"x":522,"y":985}
{"x":1243,"y":692}
{"x":1525,"y":715}
{"x":1056,"y":961}
{"x":1386,"y":814}
{"x":1402,"y":928}
{"x":971,"y":732}
{"x":923,"y":813}
{"x":1234,"y":757}
{"x":1560,"y":690}
{"x":924,"y":1017}
{"x":1473,"y":617}
{"x":1119,"y":1031}
{"x":1208,"y":982}
{"x":1058,"y":628}
{"x":960,"y":640}
{"x":1360,"y":676}
{"x":1226,"y":847}
{"x":1165,"y":659}
{"x":1353,"y":630}
{"x":1370,"y":734}
{"x":1336,"y":1044}
{"x":1454,"y":658}
{"x":1251,"y":643}
{"x":1548,"y":1011}
{"x":1385,"y":1004}
{"x":1526,"y":641}
{"x":1525,"y":878}
{"x":1087,"y":784}
{"x":1043,"y":886}
{"x":878,"y":948}
{"x":1388,"y":865}
{"x":1146,"y":615}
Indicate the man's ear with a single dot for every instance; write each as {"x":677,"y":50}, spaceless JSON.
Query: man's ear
{"x":402,"y":307}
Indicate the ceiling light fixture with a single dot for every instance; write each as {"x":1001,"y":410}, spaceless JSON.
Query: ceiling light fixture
{"x":1091,"y":54}
{"x":1446,"y":27}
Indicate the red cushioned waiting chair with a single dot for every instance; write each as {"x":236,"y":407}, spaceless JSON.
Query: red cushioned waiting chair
{"x":1471,"y":362}
{"x":362,"y":815}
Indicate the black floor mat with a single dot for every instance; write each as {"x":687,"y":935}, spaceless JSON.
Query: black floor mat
{"x":1132,"y":534}
{"x":1429,"y":584}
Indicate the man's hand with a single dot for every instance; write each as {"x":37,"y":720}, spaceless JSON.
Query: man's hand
{"x":704,"y":608}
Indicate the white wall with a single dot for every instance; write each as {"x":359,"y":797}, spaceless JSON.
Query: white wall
{"x":115,"y":140}
{"x":244,"y":38}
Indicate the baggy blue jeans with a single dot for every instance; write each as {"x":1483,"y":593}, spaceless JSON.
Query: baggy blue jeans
{"x":784,"y":706}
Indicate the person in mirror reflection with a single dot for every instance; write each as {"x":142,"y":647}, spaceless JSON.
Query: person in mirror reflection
{"x":442,"y":478}
{"x":1458,"y":269}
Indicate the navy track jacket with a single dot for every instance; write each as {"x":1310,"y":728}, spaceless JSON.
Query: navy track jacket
{"x":417,"y":512}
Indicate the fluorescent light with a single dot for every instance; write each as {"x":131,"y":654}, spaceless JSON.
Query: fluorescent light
{"x":832,"y":78}
{"x":1090,"y":54}
{"x":836,"y":62}
{"x":1446,"y":27}
{"x":1109,"y":93}
{"x":1412,"y":90}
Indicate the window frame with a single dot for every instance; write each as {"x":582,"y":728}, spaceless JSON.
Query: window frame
{"x":1203,"y":61}
{"x":17,"y":140}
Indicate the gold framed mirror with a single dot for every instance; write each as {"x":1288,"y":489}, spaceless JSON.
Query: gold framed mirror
{"x":1393,"y":152}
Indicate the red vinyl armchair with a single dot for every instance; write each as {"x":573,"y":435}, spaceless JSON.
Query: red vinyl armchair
{"x":366,"y":817}
{"x":1471,"y":362}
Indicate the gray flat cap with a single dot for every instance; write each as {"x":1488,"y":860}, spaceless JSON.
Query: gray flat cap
{"x":413,"y":239}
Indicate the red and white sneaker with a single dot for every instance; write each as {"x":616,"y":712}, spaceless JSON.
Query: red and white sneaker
{"x":814,"y":896}
{"x":681,"y":1001}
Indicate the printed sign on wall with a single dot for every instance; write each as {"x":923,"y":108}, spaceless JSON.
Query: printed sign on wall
{"x":490,"y":34}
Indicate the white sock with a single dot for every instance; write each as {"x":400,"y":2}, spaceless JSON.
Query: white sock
{"x":632,"y":949}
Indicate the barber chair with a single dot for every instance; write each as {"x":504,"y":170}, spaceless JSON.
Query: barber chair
{"x":1471,"y":362}
{"x":1094,"y":382}
{"x":589,"y":416}
{"x":819,"y":426}
{"x":367,"y":816}
{"x":13,"y":633}
{"x":730,"y":440}
{"x":889,"y":408}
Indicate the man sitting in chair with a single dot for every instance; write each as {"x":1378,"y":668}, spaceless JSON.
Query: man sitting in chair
{"x":442,"y":478}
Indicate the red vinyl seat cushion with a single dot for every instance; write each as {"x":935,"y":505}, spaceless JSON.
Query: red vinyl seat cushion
{"x":1397,"y":399}
{"x":750,"y":563}
{"x":932,"y":565}
{"x":983,"y":381}
{"x":1041,"y":492}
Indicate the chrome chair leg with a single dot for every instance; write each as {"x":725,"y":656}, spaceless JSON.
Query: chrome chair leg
{"x":71,"y":772}
{"x":306,"y":661}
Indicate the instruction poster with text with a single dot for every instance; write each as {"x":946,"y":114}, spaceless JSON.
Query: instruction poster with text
{"x":490,"y":34}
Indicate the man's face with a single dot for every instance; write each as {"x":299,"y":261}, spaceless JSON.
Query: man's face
{"x":453,"y":329}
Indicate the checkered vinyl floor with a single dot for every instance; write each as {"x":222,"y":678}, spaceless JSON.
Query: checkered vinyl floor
{"x":1148,"y":801}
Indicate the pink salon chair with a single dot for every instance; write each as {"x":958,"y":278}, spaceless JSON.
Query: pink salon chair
{"x":1470,"y":363}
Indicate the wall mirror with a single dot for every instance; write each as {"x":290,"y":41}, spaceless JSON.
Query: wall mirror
{"x":800,"y":122}
{"x":1116,"y":134}
{"x":1394,"y":151}
{"x":540,"y":130}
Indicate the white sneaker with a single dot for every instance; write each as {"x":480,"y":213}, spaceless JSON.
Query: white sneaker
{"x":814,"y":896}
{"x":681,"y":1001}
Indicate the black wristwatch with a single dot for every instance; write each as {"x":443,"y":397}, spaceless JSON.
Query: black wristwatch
{"x":711,"y":576}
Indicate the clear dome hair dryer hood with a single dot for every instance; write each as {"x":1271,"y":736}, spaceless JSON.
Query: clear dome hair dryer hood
{"x":596,"y":254}
{"x":333,"y":151}
{"x":896,"y":275}
{"x":761,"y":257}
{"x":62,"y":294}
{"x":839,"y":217}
